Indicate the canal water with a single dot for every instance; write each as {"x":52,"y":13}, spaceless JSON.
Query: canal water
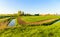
{"x":12,"y":22}
{"x":56,"y":22}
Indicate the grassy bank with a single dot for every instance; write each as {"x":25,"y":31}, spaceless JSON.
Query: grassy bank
{"x":32,"y":31}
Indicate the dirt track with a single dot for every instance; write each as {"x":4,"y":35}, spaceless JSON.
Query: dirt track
{"x":20,"y":21}
{"x":41,"y":22}
{"x":3,"y":25}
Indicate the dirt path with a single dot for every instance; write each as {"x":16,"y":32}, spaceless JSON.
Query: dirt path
{"x":42,"y":22}
{"x":20,"y":21}
{"x":3,"y":25}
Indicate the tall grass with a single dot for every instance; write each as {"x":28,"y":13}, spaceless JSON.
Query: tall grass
{"x":32,"y":31}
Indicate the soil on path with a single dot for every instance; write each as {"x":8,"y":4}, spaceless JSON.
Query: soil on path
{"x":3,"y":25}
{"x":42,"y":22}
{"x":20,"y":21}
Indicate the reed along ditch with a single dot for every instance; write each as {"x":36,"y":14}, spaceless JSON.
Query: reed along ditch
{"x":52,"y":22}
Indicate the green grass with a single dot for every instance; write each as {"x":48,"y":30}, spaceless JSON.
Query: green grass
{"x":4,"y":19}
{"x":37,"y":18}
{"x":33,"y":31}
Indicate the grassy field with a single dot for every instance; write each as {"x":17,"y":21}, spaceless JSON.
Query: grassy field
{"x":33,"y":31}
{"x":38,"y":18}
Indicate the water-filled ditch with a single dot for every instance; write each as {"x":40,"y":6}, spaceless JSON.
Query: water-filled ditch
{"x":12,"y":22}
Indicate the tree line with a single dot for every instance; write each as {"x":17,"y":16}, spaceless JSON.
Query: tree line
{"x":21,"y":13}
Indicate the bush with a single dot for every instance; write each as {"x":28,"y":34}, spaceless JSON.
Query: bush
{"x":36,"y":14}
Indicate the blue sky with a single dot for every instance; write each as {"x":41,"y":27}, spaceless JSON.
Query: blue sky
{"x":30,"y":6}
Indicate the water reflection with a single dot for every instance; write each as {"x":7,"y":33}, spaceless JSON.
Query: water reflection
{"x":12,"y":23}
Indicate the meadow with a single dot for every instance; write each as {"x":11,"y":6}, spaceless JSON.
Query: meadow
{"x":38,"y":18}
{"x":32,"y":31}
{"x":24,"y":30}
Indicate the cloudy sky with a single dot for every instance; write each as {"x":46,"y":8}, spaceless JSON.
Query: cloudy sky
{"x":30,"y":6}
